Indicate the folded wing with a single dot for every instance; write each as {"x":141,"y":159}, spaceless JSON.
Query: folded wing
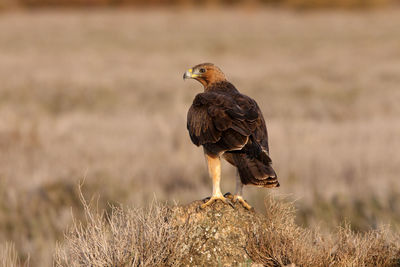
{"x":223,"y":121}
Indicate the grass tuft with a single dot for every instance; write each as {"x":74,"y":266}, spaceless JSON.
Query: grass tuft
{"x":124,"y":237}
{"x":9,"y":256}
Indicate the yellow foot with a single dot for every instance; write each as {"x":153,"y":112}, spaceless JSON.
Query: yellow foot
{"x":237,"y":198}
{"x":213,"y":199}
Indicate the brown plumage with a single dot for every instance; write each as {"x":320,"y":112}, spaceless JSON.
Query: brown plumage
{"x":229,"y":124}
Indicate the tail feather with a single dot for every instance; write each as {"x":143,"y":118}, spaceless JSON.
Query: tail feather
{"x":256,"y":169}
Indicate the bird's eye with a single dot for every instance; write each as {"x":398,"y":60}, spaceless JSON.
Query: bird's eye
{"x":202,"y":70}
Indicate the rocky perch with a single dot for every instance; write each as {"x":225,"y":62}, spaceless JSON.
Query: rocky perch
{"x":219,"y":234}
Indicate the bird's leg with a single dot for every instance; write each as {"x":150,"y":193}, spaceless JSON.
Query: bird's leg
{"x":214,"y":169}
{"x":239,"y":192}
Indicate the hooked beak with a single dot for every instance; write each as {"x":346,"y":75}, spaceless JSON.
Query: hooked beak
{"x":189,"y":74}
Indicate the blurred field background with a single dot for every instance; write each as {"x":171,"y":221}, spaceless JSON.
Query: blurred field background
{"x":97,"y":94}
{"x":298,"y":4}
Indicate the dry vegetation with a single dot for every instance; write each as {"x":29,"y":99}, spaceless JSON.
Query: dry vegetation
{"x":278,"y":241}
{"x":135,"y":237}
{"x":99,"y":94}
{"x":8,"y":255}
{"x":298,"y":4}
{"x":130,"y":237}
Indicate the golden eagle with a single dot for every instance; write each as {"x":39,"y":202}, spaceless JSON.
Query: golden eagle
{"x":229,"y":124}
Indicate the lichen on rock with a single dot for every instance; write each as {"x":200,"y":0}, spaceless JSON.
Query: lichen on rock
{"x":218,"y":234}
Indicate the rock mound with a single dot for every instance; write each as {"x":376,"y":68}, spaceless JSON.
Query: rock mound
{"x":218,"y":234}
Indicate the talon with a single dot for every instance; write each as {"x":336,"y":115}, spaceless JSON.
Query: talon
{"x":206,"y":199}
{"x":213,"y":199}
{"x":237,"y":198}
{"x":229,"y":195}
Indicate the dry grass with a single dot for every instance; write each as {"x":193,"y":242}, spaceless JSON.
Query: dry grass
{"x":134,"y":237}
{"x":124,"y":237}
{"x":100,"y":94}
{"x":374,"y":248}
{"x":278,"y":241}
{"x":299,"y":4}
{"x":8,"y":255}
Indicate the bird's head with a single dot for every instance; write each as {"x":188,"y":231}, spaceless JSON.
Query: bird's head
{"x":205,"y":73}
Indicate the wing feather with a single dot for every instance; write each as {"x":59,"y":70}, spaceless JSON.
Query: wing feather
{"x":201,"y":127}
{"x":223,"y":120}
